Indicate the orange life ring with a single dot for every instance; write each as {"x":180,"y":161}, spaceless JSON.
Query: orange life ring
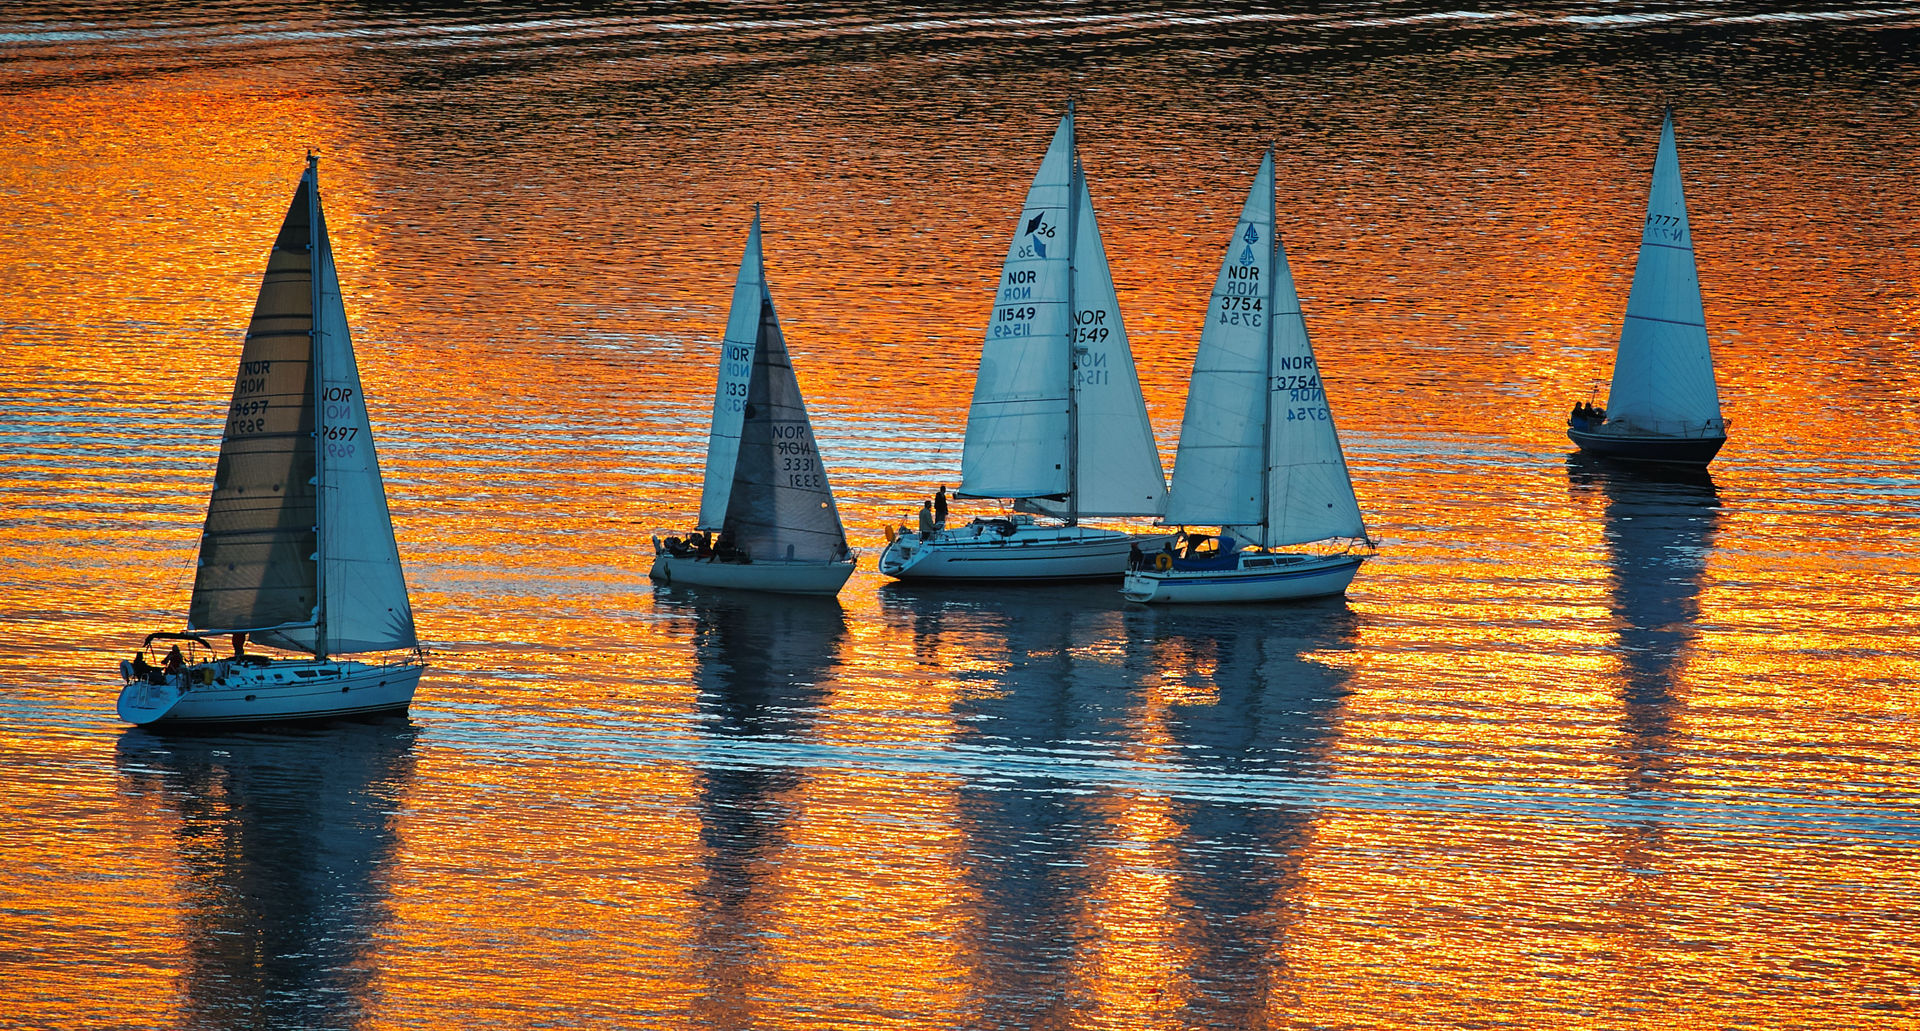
{"x":1163,"y":562}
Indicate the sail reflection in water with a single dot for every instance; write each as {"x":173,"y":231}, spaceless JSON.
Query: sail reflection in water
{"x":760,"y":666}
{"x":1053,"y":854}
{"x":1659,"y":526}
{"x":286,"y":840}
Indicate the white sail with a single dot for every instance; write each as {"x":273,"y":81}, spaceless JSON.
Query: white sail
{"x":781,"y":506}
{"x":1219,"y":472}
{"x":365,"y":592}
{"x":1257,"y":403}
{"x":1058,"y":419}
{"x":1017,"y":427}
{"x":1663,"y":375}
{"x":1117,"y":469}
{"x":730,"y":390}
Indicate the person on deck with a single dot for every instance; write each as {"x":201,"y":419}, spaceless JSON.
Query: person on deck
{"x":926,"y":520}
{"x":175,"y":662}
{"x":940,"y":508}
{"x":240,"y":645}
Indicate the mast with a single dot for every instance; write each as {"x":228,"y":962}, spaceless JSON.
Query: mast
{"x":1266,"y":361}
{"x":316,"y":234}
{"x":1074,"y":181}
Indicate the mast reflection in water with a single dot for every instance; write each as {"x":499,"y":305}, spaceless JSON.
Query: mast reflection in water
{"x":1658,"y":526}
{"x":1053,"y":851}
{"x":286,"y":840}
{"x":760,"y":665}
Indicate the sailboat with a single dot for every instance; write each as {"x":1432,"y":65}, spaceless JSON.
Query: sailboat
{"x":1057,"y":424}
{"x":767,"y":517}
{"x":298,"y":550}
{"x":1663,"y":405}
{"x":1259,"y":456}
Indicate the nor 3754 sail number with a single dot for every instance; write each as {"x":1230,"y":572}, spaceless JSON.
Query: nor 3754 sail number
{"x":1240,"y":311}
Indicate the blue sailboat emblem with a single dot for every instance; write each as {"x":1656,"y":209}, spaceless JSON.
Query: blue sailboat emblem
{"x":1247,"y":258}
{"x":1039,"y":248}
{"x":1252,"y":235}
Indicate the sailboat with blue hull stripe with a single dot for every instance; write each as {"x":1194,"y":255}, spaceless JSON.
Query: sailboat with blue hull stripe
{"x":1259,"y":456}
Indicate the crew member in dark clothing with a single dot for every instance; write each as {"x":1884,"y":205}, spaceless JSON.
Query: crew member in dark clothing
{"x":940,"y":508}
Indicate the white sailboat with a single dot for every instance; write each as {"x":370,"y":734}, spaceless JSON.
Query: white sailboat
{"x":767,"y":517}
{"x":298,"y":550}
{"x":1259,"y":456}
{"x":1663,"y":405}
{"x":1057,"y":425}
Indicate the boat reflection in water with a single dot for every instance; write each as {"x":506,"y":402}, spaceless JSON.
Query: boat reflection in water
{"x":1659,"y":525}
{"x":1134,"y":751}
{"x":285,"y":840}
{"x":761,"y":663}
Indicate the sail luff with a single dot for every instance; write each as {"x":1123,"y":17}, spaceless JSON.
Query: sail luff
{"x":1663,"y":379}
{"x":318,"y":244}
{"x":1076,"y":183}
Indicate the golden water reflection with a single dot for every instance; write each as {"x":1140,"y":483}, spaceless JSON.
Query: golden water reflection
{"x":1582,"y":747}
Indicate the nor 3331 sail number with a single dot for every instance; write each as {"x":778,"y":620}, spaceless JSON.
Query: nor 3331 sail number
{"x":793,"y":448}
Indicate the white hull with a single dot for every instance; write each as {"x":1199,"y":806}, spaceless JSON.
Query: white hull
{"x":282,"y":691}
{"x":773,"y":577}
{"x":981,"y":551}
{"x":1260,"y":576}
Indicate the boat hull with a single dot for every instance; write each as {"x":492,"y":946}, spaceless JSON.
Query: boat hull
{"x":1645,"y":447}
{"x":284,"y":691}
{"x":819,"y":578}
{"x":997,"y":550}
{"x":1260,"y":577}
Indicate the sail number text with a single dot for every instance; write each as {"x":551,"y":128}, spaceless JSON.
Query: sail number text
{"x":735,"y":366}
{"x":1240,"y":311}
{"x":798,"y":466}
{"x":1302,"y":386}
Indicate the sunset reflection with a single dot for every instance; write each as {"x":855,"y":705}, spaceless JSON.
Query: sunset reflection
{"x":1584,"y":747}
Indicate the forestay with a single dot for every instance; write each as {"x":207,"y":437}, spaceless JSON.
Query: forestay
{"x":779,"y":504}
{"x":1663,"y":375}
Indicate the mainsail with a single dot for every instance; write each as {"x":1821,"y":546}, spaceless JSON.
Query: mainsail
{"x":1057,"y":417}
{"x":298,"y":546}
{"x":765,"y":485}
{"x":1258,"y":450}
{"x":1663,"y":374}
